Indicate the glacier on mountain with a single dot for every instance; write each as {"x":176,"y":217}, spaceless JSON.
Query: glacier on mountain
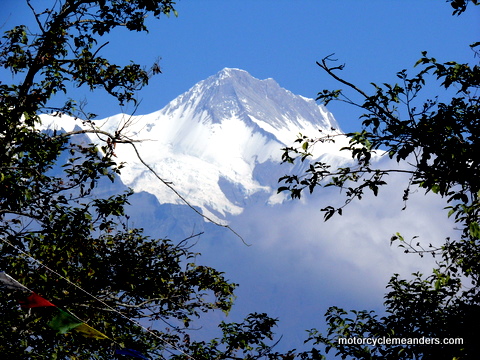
{"x":216,"y":140}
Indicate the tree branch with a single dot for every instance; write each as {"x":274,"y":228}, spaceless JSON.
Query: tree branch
{"x":330,"y":72}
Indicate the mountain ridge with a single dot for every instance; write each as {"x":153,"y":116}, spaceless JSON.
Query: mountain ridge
{"x":209,"y":141}
{"x":262,"y":102}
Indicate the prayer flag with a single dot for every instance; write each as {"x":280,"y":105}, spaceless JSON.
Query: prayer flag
{"x":7,"y":282}
{"x":34,"y":300}
{"x":131,"y":352}
{"x":88,"y":331}
{"x":63,"y":322}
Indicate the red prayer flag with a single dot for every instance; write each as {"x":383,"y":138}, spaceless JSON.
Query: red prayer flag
{"x":33,"y":301}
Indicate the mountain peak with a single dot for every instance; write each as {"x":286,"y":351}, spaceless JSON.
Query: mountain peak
{"x":235,"y":93}
{"x":231,"y":72}
{"x":235,"y":81}
{"x":239,"y":77}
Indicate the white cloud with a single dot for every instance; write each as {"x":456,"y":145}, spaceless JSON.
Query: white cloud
{"x":299,"y":265}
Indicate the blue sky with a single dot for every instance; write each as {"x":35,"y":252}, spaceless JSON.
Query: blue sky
{"x":282,"y":39}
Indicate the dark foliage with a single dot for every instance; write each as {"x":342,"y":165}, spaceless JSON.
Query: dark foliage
{"x":435,"y":142}
{"x":70,"y":246}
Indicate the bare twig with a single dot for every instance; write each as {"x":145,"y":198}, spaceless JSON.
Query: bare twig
{"x":169,"y":185}
{"x":330,"y":71}
{"x":39,"y":23}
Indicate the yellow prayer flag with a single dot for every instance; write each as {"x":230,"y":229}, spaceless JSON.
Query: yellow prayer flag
{"x":88,"y":331}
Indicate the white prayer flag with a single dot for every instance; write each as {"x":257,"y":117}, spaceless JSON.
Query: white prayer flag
{"x":7,"y":282}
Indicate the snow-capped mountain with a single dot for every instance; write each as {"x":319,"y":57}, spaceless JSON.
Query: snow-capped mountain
{"x":219,"y":143}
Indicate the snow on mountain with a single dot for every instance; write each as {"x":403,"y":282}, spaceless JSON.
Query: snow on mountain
{"x":216,"y":140}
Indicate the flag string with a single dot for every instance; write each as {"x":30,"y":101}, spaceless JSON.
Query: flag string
{"x":100,"y":301}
